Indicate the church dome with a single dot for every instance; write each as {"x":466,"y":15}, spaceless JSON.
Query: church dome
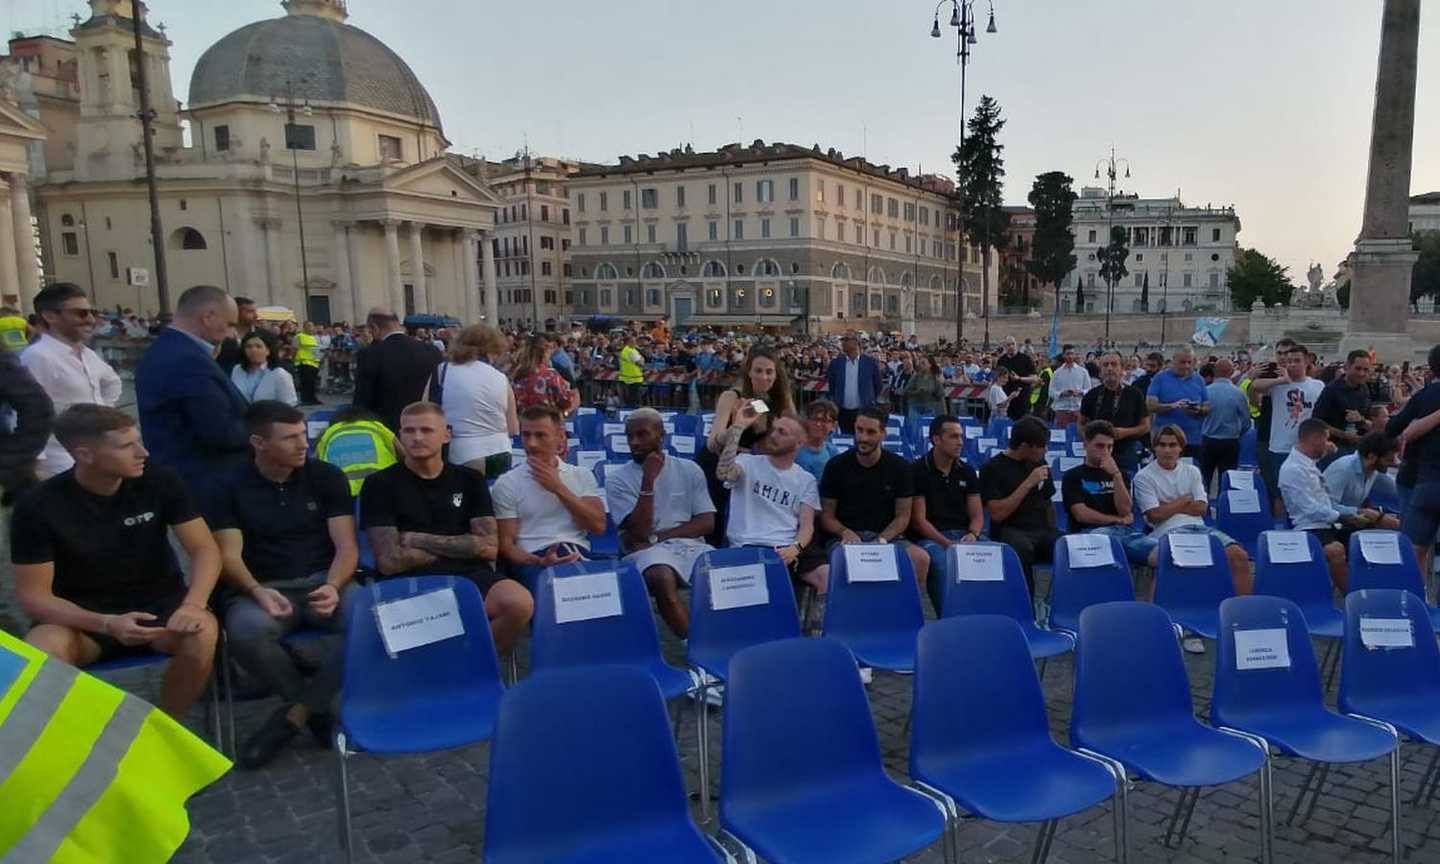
{"x":324,"y":59}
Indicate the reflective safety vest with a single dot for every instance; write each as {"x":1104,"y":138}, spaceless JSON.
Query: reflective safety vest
{"x":1245,"y":388}
{"x":630,"y":371}
{"x":306,"y":345}
{"x":12,"y":333}
{"x":89,"y":773}
{"x":359,"y":448}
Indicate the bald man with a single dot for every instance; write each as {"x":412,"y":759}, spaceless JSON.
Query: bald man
{"x":1228,"y":419}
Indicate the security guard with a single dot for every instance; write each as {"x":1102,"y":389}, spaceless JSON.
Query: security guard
{"x":14,"y":335}
{"x":357,"y":443}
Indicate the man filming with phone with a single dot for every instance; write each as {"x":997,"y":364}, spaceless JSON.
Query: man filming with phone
{"x":1017,"y":489}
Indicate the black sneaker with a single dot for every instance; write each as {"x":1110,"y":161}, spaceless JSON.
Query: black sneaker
{"x":321,"y":728}
{"x":267,"y":742}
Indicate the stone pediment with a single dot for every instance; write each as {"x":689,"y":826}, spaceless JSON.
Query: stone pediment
{"x":438,"y":178}
{"x":16,"y":123}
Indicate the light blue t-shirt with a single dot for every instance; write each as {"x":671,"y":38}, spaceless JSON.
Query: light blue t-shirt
{"x":813,"y":459}
{"x":1169,"y":387}
{"x":1229,"y":415}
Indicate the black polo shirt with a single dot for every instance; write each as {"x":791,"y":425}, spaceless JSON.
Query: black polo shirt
{"x":947,"y":496}
{"x":399,"y":498}
{"x":1339,"y":397}
{"x":285,"y":525}
{"x":1000,"y":477}
{"x":866,"y":496}
{"x":1125,"y":409}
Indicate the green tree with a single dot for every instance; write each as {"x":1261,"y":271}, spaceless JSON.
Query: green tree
{"x":1052,"y":254}
{"x":1256,"y":277}
{"x":1112,"y":257}
{"x":1425,"y":278}
{"x":980,"y":169}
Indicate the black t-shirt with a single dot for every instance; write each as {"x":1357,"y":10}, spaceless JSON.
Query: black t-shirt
{"x":866,"y":496}
{"x":111,"y":552}
{"x":1001,"y":476}
{"x":285,"y":525}
{"x":1337,"y":398}
{"x":1092,"y":487}
{"x":1020,"y":366}
{"x":399,"y":498}
{"x":946,"y":497}
{"x":1123,"y":410}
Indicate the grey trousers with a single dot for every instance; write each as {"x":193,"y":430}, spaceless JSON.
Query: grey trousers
{"x":255,"y":641}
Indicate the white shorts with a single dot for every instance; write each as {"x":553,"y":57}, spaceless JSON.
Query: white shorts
{"x":680,"y":555}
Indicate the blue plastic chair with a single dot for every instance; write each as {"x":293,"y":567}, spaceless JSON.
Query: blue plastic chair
{"x":981,"y":735}
{"x":617,"y":449}
{"x":877,"y":621}
{"x":803,"y":779}
{"x":1366,"y":575}
{"x":716,"y":634}
{"x":583,"y":769}
{"x":1009,"y":597}
{"x":1244,"y":528}
{"x":316,"y":422}
{"x":1284,"y":705}
{"x":587,"y":429}
{"x":1307,"y":584}
{"x":1249,"y":450}
{"x":1192,"y":595}
{"x":435,"y":697}
{"x":1256,"y":478}
{"x":1396,"y":685}
{"x":1133,"y":706}
{"x":1071,"y":591}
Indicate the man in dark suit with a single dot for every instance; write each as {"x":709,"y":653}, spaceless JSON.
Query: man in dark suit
{"x":394,"y":370}
{"x":27,"y":433}
{"x":191,"y":416}
{"x":854,"y":382}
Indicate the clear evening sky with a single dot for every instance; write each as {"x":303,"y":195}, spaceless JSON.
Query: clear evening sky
{"x":1264,"y":104}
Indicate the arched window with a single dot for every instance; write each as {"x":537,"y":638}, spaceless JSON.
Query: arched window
{"x":67,"y":221}
{"x":190,"y":240}
{"x":652,"y":270}
{"x":876,"y":276}
{"x":713,"y":270}
{"x":606,"y":272}
{"x":907,"y":279}
{"x":840,"y":271}
{"x":767,"y":267}
{"x":935,"y":283}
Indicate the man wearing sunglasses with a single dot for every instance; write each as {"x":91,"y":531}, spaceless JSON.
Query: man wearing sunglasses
{"x":64,"y":365}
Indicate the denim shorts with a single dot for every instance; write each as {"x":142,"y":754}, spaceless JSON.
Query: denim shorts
{"x":1137,"y":545}
{"x":1225,"y":539}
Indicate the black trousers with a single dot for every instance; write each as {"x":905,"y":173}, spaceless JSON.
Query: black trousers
{"x":309,"y":377}
{"x":1033,"y":546}
{"x":1218,"y":454}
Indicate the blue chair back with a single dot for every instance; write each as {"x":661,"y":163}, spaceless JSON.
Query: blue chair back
{"x":1128,"y":671}
{"x":587,"y":429}
{"x":1009,"y":597}
{"x":1263,"y":690}
{"x":1249,"y":449}
{"x":1245,"y":528}
{"x":390,"y":705}
{"x":317,"y":422}
{"x":686,"y":424}
{"x":579,"y":755}
{"x":716,"y":634}
{"x":1372,"y":677}
{"x":1257,"y":481}
{"x":1193,"y":588}
{"x":866,"y":608}
{"x":617,"y":449}
{"x":1365,"y":573}
{"x":362,"y":542}
{"x":1072,"y":591}
{"x":1307,"y":583}
{"x":629,"y":638}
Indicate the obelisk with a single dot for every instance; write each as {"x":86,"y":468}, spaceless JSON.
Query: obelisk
{"x":1383,"y":258}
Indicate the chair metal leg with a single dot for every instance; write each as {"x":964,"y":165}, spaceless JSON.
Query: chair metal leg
{"x":702,"y":745}
{"x":951,"y":813}
{"x":513,"y":667}
{"x":341,"y":754}
{"x":1300,"y":795}
{"x":1334,"y":665}
{"x":1266,"y":793}
{"x":1043,"y":840}
{"x":216,"y":721}
{"x":229,"y":694}
{"x":747,"y":854}
{"x":1395,"y":805}
{"x":1119,"y":802}
{"x":1189,"y":811}
{"x":1315,"y":793}
{"x":1043,"y":662}
{"x":1175,"y":815}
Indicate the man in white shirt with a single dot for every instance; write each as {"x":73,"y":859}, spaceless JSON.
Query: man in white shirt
{"x":663,"y":509}
{"x":60,"y":362}
{"x":1292,"y":399}
{"x":1308,"y":501}
{"x":1068,"y":385}
{"x":545,"y":508}
{"x":996,"y":399}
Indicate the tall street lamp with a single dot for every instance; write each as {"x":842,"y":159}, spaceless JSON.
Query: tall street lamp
{"x":293,"y":142}
{"x":1111,"y":166}
{"x":962,"y":18}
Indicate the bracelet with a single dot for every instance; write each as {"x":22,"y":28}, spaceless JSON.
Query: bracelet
{"x":105,"y":624}
{"x":650,"y":494}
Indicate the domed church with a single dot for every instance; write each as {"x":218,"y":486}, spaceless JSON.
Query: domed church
{"x":314,"y":174}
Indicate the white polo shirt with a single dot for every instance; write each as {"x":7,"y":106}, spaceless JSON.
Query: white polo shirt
{"x":544,"y":521}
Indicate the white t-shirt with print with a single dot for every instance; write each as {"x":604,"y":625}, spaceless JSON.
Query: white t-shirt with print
{"x":1291,"y":404}
{"x":765,"y":504}
{"x":1155,"y":486}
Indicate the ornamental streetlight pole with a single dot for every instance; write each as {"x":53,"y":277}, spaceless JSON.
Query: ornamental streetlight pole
{"x":1111,"y":166}
{"x":293,"y":142}
{"x":962,"y":18}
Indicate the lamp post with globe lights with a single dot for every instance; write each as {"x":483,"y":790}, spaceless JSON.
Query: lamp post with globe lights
{"x":292,"y":142}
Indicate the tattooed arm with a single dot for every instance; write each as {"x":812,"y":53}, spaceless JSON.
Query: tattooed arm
{"x":391,"y":557}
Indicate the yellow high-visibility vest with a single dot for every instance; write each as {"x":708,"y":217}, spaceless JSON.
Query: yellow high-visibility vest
{"x":89,"y":773}
{"x":630,"y":371}
{"x":13,"y":333}
{"x":306,"y":345}
{"x":359,"y":448}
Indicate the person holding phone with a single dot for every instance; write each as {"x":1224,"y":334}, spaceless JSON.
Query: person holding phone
{"x":1016,"y":487}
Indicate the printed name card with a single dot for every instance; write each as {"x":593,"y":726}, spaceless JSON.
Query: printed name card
{"x":1089,"y":550}
{"x":612,"y":429}
{"x":316,"y":428}
{"x":1059,"y":492}
{"x":619,"y":443}
{"x":669,"y":427}
{"x":572,"y":443}
{"x":987,"y":443}
{"x":683,"y":444}
{"x":1288,"y":547}
{"x":974,"y":432}
{"x":978,"y":562}
{"x":1077,"y":448}
{"x":871,"y":563}
{"x":588,"y":459}
{"x":1190,"y":550}
{"x":1243,"y":500}
{"x":1057,"y":436}
{"x":1188,"y":460}
{"x":1240,"y":479}
{"x":1068,"y":462}
{"x":420,"y":620}
{"x":1381,"y":548}
{"x":1261,"y":649}
{"x":1386,"y":633}
{"x":586,"y":597}
{"x":737,"y":587}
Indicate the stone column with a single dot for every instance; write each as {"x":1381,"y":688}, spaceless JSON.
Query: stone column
{"x":396,"y":287}
{"x":344,"y":284}
{"x":24,"y":241}
{"x":470,"y":284}
{"x":492,"y":291}
{"x":1383,"y":258}
{"x":9,"y":273}
{"x":417,"y":269}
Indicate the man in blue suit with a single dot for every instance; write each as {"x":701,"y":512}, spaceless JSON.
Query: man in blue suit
{"x":854,"y":382}
{"x":191,"y":416}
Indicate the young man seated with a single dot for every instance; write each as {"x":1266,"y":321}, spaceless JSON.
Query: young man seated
{"x":285,"y":525}
{"x":1017,"y":489}
{"x":664,"y":511}
{"x":93,"y":563}
{"x":546,"y":508}
{"x":947,"y":507}
{"x":1097,"y":499}
{"x":821,"y":417}
{"x":1308,"y":502}
{"x":424,"y":515}
{"x":1352,"y":479}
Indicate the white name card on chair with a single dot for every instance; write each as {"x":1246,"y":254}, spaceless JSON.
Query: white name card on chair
{"x":1386,"y":633}
{"x":586,"y":597}
{"x":974,"y":432}
{"x":620,"y":444}
{"x":612,"y":429}
{"x":987,"y":443}
{"x":1240,"y":479}
{"x":1288,"y":547}
{"x":683,"y":444}
{"x":1068,"y":462}
{"x":587,"y":459}
{"x":1380,"y":548}
{"x":1243,"y":500}
{"x":1261,"y":649}
{"x":420,"y":620}
{"x":1057,"y":436}
{"x":871,"y":563}
{"x":1077,"y":448}
{"x":975,"y":562}
{"x":1190,"y":550}
{"x":737,"y":587}
{"x":1089,"y":550}
{"x":315,"y":428}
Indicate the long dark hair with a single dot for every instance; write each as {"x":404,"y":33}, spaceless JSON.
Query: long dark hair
{"x":269,"y":341}
{"x":779,"y":398}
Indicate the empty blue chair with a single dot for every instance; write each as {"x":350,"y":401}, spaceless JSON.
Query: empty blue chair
{"x":1192,"y":595}
{"x":1249,"y":451}
{"x":981,"y":736}
{"x":966,"y":595}
{"x":1257,"y":481}
{"x":1307,"y":583}
{"x":587,"y":429}
{"x":1244,"y":528}
{"x":583,"y":769}
{"x":803,"y":779}
{"x":1278,"y":698}
{"x":434,"y":697}
{"x":1133,"y":705}
{"x":617,"y":449}
{"x":1366,"y":574}
{"x":1071,"y":590}
{"x":877,"y":621}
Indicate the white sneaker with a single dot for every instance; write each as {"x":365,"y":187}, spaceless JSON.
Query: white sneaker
{"x":866,"y":673}
{"x":1193,"y":646}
